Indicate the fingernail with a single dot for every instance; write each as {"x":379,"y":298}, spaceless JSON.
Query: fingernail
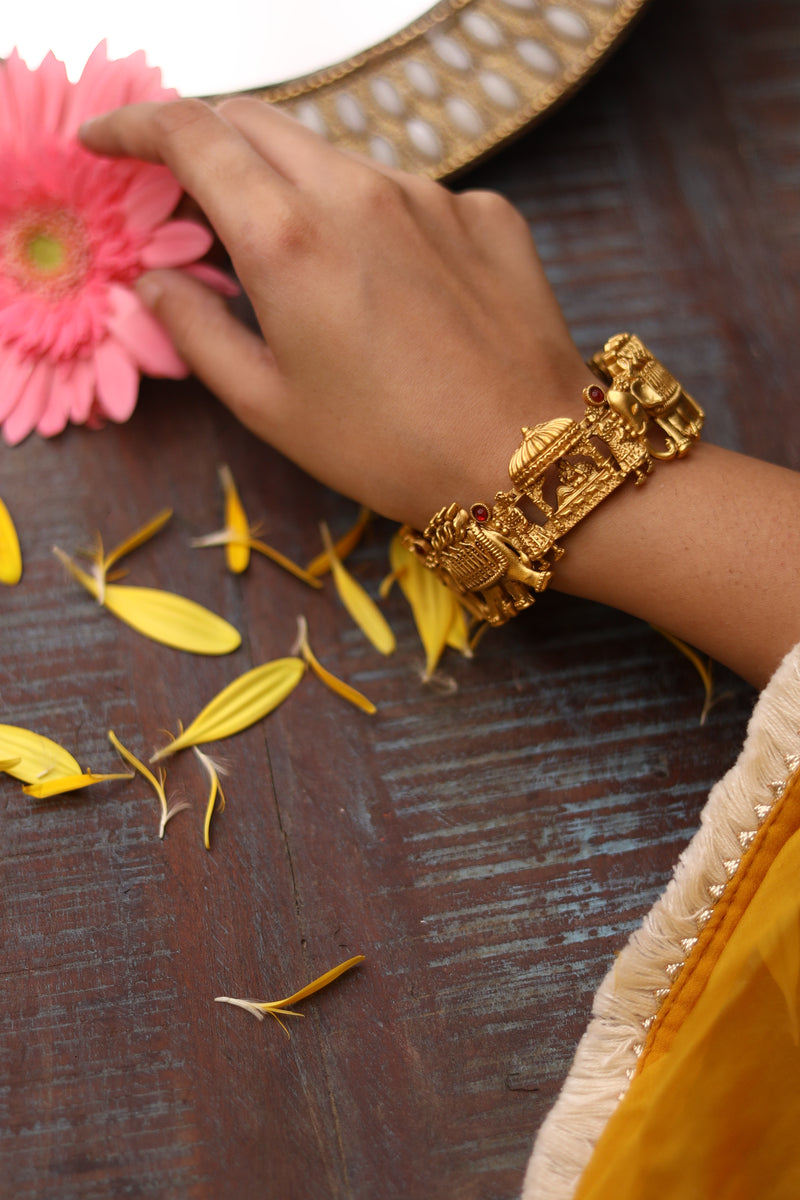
{"x":149,"y":291}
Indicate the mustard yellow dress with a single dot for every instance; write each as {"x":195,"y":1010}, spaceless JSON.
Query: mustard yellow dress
{"x":686,"y":1085}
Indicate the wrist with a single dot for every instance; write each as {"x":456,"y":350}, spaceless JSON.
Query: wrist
{"x":499,"y":554}
{"x":709,"y":550}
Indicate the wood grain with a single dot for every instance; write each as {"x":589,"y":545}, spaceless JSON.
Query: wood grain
{"x":488,"y":847}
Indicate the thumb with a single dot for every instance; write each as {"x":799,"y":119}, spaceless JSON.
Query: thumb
{"x":234,"y":363}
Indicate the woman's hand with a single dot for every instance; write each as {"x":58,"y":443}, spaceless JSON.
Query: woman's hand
{"x":408,"y":333}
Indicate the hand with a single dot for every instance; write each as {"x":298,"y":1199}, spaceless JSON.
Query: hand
{"x":408,"y":332}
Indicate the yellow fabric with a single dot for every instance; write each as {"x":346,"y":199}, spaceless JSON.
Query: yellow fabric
{"x":782,"y":822}
{"x":718,"y":1115}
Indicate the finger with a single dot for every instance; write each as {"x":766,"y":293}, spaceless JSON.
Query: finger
{"x":211,"y":160}
{"x":292,"y":149}
{"x":301,"y":155}
{"x":231,"y":361}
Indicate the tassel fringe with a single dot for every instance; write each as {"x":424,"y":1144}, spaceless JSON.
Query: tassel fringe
{"x":628,"y":999}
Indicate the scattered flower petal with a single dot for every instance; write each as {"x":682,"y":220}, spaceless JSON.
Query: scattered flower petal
{"x":477,"y":634}
{"x":37,"y":757}
{"x":10,"y":553}
{"x":359,"y":604}
{"x":240,"y":704}
{"x":61,"y":784}
{"x":273,"y":1007}
{"x":282,"y":561}
{"x":704,"y":669}
{"x":345,"y":545}
{"x":435,"y":608}
{"x":226,"y":537}
{"x":458,"y":635}
{"x":336,"y":685}
{"x":213,"y":770}
{"x":7,"y":763}
{"x":157,"y":784}
{"x":237,"y":553}
{"x":136,"y":539}
{"x":163,"y":616}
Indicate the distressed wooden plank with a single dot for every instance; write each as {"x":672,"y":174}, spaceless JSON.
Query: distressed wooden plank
{"x":488,"y":848}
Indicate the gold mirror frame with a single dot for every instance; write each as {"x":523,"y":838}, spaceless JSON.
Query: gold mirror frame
{"x":457,"y":83}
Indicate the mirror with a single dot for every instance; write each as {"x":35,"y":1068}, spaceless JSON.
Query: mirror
{"x":260,"y":42}
{"x":427,"y":89}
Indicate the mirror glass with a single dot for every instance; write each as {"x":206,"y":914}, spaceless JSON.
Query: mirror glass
{"x":205,"y":49}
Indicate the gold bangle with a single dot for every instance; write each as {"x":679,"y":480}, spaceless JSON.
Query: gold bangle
{"x":496,"y":558}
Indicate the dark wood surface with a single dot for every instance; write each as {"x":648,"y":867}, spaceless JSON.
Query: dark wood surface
{"x":489,"y":847}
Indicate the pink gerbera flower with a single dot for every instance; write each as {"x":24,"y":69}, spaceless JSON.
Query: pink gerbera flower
{"x":76,"y":231}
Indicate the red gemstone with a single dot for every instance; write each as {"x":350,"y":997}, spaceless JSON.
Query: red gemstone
{"x":480,"y":512}
{"x":596,"y":394}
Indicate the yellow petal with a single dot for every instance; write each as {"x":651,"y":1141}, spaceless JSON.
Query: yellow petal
{"x":703,"y":669}
{"x":137,"y":538}
{"x":67,"y":783}
{"x":156,"y":784}
{"x":87,"y":581}
{"x":432,"y":604}
{"x":283,"y":561}
{"x":163,"y":616}
{"x":317,"y":984}
{"x":226,"y":537}
{"x":273,"y":1007}
{"x":331,"y":681}
{"x":214,"y":791}
{"x":458,"y":633}
{"x":10,"y":554}
{"x":388,"y":582}
{"x":345,"y":545}
{"x":37,"y":757}
{"x":7,"y":763}
{"x":362,"y":608}
{"x":241,"y":703}
{"x":477,"y":634}
{"x":237,"y":553}
{"x":172,"y":620}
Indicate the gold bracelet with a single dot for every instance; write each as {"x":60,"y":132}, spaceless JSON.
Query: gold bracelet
{"x":496,"y":558}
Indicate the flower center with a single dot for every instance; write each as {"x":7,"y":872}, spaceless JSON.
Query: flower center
{"x":46,"y":252}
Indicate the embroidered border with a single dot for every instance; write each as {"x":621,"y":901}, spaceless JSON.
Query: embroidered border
{"x":627,"y":1003}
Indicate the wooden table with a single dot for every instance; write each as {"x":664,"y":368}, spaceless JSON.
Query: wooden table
{"x":488,"y":845}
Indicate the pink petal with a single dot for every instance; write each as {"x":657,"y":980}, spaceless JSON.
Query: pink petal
{"x":176,"y":243}
{"x":117,"y":380}
{"x":214,"y":278}
{"x":106,"y":84}
{"x":56,"y":414}
{"x":14,"y":375}
{"x":143,"y":336}
{"x":55,"y":89}
{"x":22,"y":96}
{"x":151,"y":198}
{"x":31,"y":404}
{"x":8,"y":127}
{"x":80,"y":384}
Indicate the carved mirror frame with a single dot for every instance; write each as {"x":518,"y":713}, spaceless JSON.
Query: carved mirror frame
{"x":457,"y":83}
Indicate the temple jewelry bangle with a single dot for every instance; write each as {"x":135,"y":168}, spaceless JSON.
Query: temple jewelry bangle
{"x":497,"y":557}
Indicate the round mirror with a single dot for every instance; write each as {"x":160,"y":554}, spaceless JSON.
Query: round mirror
{"x":427,"y":89}
{"x":260,"y":42}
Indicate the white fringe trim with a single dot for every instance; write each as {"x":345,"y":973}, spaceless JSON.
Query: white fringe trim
{"x":629,"y":996}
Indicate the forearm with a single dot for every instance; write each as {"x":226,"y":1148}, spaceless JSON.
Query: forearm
{"x":708,"y":548}
{"x":408,"y":334}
